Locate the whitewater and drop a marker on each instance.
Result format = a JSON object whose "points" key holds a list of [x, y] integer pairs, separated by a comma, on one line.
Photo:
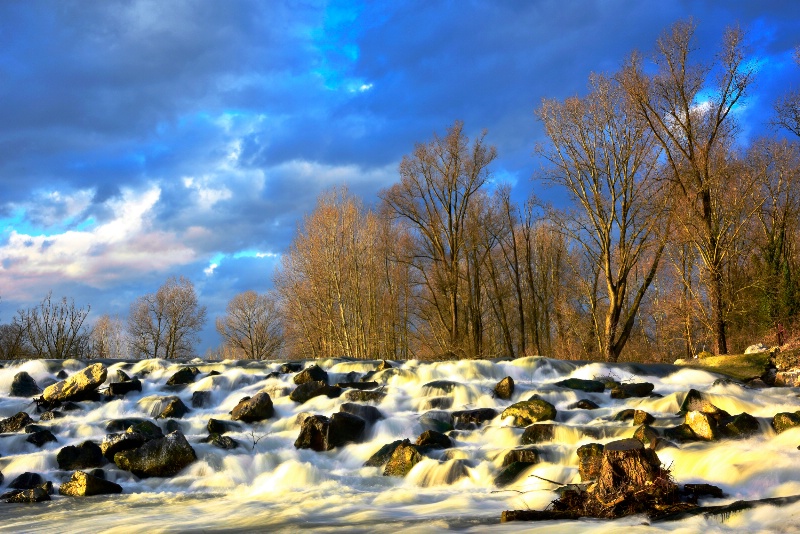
{"points": [[266, 484]]}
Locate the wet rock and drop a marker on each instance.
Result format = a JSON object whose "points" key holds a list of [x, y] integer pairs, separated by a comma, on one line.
{"points": [[740, 426], [588, 386], [527, 455], [201, 399], [175, 409], [505, 388], [538, 433], [437, 420], [641, 417], [121, 376], [162, 457], [125, 441], [311, 374], [439, 387], [781, 422], [30, 429], [680, 433], [27, 480], [626, 391], [215, 426], [434, 440], [693, 492], [120, 425], [357, 385], [370, 414], [309, 390], [23, 385], [647, 435], [62, 374], [148, 429], [384, 365], [187, 375], [510, 473], [38, 494], [123, 388], [321, 433], [173, 425], [438, 403], [469, 418], [85, 485], [256, 408], [384, 453], [15, 423], [625, 415], [41, 437], [402, 460], [590, 459], [290, 367], [50, 415], [80, 386], [696, 401], [584, 404], [530, 411], [84, 456], [364, 396], [222, 442]]}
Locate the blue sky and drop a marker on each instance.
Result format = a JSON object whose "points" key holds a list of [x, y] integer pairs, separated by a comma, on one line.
{"points": [[145, 138]]}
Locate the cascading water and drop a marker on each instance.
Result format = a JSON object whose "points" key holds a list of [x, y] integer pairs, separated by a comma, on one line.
{"points": [[268, 484]]}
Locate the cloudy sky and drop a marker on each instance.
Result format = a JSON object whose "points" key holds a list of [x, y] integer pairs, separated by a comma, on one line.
{"points": [[145, 138]]}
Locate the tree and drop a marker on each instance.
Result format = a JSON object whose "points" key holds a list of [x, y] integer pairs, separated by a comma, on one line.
{"points": [[439, 183], [607, 160], [252, 326], [54, 329], [165, 324], [788, 107], [107, 338], [688, 107]]}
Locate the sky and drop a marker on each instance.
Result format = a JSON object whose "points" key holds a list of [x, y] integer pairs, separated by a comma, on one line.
{"points": [[141, 139]]}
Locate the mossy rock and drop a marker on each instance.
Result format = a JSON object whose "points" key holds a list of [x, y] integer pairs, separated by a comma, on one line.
{"points": [[531, 411], [786, 420]]}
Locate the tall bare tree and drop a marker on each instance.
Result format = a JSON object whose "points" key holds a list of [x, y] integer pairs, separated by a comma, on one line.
{"points": [[252, 326], [788, 106], [54, 329], [107, 338], [688, 105], [165, 324]]}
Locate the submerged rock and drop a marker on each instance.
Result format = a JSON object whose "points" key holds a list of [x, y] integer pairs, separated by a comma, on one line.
{"points": [[222, 442], [370, 414], [357, 385], [215, 426], [437, 420], [23, 385], [530, 411], [86, 455], [438, 387], [510, 473], [628, 390], [201, 399], [384, 453], [15, 423], [38, 494], [505, 388], [588, 386], [584, 404], [468, 418], [257, 408], [321, 433], [80, 386], [402, 460], [85, 485], [161, 457]]}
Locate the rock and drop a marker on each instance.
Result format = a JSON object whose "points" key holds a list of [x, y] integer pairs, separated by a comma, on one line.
{"points": [[41, 437], [469, 418], [123, 388], [86, 455], [290, 367], [15, 423], [402, 460], [85, 485], [625, 415], [626, 464], [642, 418], [680, 433], [62, 374], [120, 425], [187, 375], [50, 415], [437, 420], [384, 365], [254, 409], [647, 435], [201, 399], [695, 491], [364, 396], [321, 433], [526, 455], [740, 426], [309, 390], [27, 480], [589, 386], [173, 425], [439, 387], [434, 440], [216, 426], [757, 348], [370, 414], [38, 494], [626, 391], [538, 433], [311, 374], [781, 422], [175, 409], [787, 379], [437, 403], [30, 429], [530, 411], [160, 457], [384, 453], [505, 388], [80, 386], [222, 442], [23, 385], [696, 401], [357, 385], [590, 459], [125, 441], [122, 376], [148, 429], [510, 473], [584, 404]]}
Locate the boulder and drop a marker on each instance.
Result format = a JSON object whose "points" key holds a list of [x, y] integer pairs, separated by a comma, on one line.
{"points": [[38, 494], [740, 426], [86, 455], [187, 375], [62, 374], [80, 386], [15, 423], [125, 441], [588, 386], [50, 415], [175, 409], [222, 442], [626, 391], [159, 457], [85, 485], [696, 401], [311, 374], [437, 403], [469, 418], [27, 480], [290, 367], [370, 414], [41, 437], [530, 411], [510, 473], [309, 390], [641, 417], [439, 387], [123, 388], [201, 399], [256, 408], [437, 420], [584, 404], [120, 425], [383, 366], [781, 422], [148, 429], [402, 460], [625, 415], [526, 455], [364, 396], [357, 385], [505, 388], [538, 433], [590, 458], [121, 376], [215, 426], [321, 433], [23, 385], [647, 435], [384, 453], [434, 440]]}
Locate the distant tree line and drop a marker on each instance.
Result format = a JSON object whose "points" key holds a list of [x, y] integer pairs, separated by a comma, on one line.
{"points": [[675, 238]]}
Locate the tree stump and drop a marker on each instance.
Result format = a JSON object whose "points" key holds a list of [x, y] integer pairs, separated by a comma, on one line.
{"points": [[626, 466]]}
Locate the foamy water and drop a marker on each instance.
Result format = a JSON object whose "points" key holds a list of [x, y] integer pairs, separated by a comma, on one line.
{"points": [[267, 484]]}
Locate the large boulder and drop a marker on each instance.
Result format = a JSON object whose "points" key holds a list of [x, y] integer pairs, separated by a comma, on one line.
{"points": [[697, 401], [530, 411], [526, 455], [187, 375], [703, 425], [125, 387], [312, 374], [740, 426], [309, 390], [364, 396], [628, 390], [402, 460], [470, 418], [80, 386], [538, 433], [784, 421], [370, 414], [39, 438], [322, 433], [589, 386], [162, 457], [256, 408], [15, 423], [384, 453], [24, 385], [434, 440], [175, 409], [86, 455], [124, 441], [505, 388], [85, 485], [37, 494]]}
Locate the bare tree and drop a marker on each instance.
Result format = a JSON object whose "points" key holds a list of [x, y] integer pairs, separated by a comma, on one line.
{"points": [[252, 326], [165, 324], [688, 106], [108, 339], [54, 329], [787, 108], [607, 160]]}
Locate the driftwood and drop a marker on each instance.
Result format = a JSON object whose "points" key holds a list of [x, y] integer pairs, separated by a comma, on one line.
{"points": [[725, 510]]}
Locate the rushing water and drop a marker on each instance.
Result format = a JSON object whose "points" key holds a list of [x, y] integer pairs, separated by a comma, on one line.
{"points": [[268, 485]]}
